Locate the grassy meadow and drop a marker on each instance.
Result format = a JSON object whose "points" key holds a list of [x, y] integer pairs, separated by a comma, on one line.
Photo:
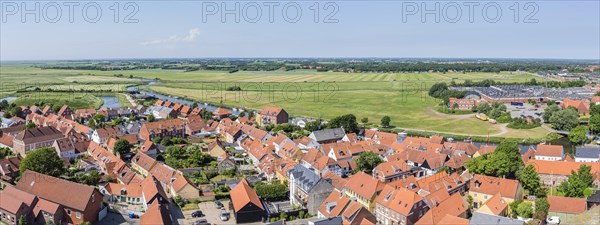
{"points": [[402, 96]]}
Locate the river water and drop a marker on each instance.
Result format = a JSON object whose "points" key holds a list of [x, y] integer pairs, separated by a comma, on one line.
{"points": [[176, 99]]}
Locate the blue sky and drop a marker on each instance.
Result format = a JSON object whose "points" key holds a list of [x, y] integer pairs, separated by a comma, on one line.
{"points": [[168, 29]]}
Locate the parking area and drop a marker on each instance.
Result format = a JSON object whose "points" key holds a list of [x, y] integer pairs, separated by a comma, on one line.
{"points": [[211, 214], [526, 110]]}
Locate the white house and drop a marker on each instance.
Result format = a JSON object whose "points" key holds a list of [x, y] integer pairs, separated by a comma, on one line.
{"points": [[587, 154], [549, 152]]}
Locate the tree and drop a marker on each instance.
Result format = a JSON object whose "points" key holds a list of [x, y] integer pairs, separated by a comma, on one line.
{"points": [[56, 108], [364, 120], [513, 208], [29, 126], [367, 161], [117, 121], [22, 220], [150, 118], [577, 183], [348, 122], [271, 192], [5, 152], [565, 119], [166, 141], [175, 152], [197, 159], [541, 208], [533, 81], [385, 121], [16, 111], [578, 135], [122, 147], [92, 178], [96, 121], [503, 162], [483, 108], [595, 123], [507, 159], [43, 160], [525, 209], [549, 111], [530, 179], [3, 104], [313, 125], [595, 109]]}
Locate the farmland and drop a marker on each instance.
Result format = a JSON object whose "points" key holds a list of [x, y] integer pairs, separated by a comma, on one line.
{"points": [[402, 96]]}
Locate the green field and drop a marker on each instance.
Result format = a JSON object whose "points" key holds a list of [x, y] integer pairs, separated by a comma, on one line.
{"points": [[402, 96], [74, 100]]}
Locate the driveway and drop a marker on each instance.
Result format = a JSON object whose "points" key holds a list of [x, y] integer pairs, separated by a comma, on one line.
{"points": [[211, 213]]}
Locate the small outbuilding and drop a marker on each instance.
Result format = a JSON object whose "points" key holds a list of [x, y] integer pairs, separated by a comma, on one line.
{"points": [[247, 206]]}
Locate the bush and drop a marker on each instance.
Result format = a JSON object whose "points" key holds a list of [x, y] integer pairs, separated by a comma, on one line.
{"points": [[271, 192], [234, 88]]}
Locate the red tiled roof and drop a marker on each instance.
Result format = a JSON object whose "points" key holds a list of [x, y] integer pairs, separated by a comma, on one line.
{"points": [[242, 194], [400, 200], [334, 205], [549, 150], [492, 185], [453, 206], [567, 205], [364, 185], [53, 189]]}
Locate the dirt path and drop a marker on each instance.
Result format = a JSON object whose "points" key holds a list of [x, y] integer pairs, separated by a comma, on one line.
{"points": [[130, 100]]}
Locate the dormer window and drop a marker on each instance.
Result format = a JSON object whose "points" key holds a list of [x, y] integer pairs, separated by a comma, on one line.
{"points": [[388, 197], [477, 184]]}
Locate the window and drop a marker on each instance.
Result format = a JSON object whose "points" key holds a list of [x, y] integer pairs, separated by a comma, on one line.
{"points": [[78, 215], [68, 211]]}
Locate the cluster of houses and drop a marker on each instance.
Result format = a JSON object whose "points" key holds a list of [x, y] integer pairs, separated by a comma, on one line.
{"points": [[422, 180], [144, 181]]}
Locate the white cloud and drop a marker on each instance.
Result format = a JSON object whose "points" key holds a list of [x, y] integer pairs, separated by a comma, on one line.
{"points": [[173, 39]]}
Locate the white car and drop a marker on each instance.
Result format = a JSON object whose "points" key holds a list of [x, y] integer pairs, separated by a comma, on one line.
{"points": [[553, 220], [224, 215]]}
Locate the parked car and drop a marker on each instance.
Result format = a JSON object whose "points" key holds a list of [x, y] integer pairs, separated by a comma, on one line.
{"points": [[201, 222], [224, 215], [197, 214], [218, 204], [553, 220]]}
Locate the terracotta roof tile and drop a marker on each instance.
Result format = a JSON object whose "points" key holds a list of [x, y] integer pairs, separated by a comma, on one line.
{"points": [[567, 205], [242, 194]]}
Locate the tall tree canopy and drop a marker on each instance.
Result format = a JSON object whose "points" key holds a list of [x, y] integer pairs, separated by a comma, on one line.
{"points": [[122, 147], [530, 180], [565, 119], [385, 121], [578, 182], [348, 122], [577, 135], [503, 162], [367, 161], [43, 160]]}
